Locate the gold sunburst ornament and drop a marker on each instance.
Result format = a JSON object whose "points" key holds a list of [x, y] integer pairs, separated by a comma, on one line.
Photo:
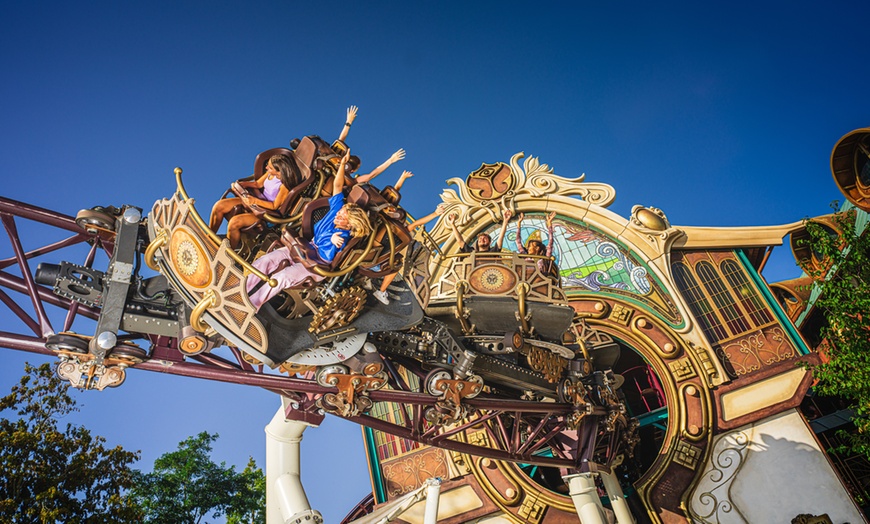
{"points": [[189, 259], [492, 279]]}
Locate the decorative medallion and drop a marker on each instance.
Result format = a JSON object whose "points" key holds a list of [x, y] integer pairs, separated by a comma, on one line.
{"points": [[189, 259], [492, 279], [490, 182]]}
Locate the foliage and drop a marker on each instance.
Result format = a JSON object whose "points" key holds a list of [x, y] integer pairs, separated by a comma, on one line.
{"points": [[49, 474], [186, 485], [249, 503], [842, 272]]}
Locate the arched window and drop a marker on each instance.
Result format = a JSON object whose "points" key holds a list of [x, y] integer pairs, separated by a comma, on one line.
{"points": [[698, 303], [722, 298], [748, 296]]}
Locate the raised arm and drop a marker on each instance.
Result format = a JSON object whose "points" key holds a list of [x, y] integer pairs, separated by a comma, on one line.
{"points": [[338, 184], [395, 157], [351, 116], [506, 216], [550, 218], [451, 221], [401, 182], [425, 220], [519, 239]]}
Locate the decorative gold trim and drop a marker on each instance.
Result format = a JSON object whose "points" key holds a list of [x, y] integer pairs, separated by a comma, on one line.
{"points": [[523, 317], [209, 300], [692, 390], [159, 241]]}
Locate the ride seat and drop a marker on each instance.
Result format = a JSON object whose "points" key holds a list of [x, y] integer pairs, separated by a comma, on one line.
{"points": [[368, 198], [302, 184]]}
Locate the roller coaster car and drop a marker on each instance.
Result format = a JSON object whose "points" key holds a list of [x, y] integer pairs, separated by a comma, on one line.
{"points": [[494, 293], [211, 277]]}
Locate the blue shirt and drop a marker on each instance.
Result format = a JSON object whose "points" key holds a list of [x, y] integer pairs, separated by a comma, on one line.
{"points": [[325, 228]]}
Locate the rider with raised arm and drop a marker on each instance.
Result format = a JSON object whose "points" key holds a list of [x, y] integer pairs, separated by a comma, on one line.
{"points": [[536, 246], [483, 242], [381, 294], [331, 232]]}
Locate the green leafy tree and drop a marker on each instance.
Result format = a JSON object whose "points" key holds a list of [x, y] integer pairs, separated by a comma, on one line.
{"points": [[842, 274], [50, 474], [186, 486], [249, 503]]}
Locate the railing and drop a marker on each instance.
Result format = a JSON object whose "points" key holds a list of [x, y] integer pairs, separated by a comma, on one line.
{"points": [[509, 274]]}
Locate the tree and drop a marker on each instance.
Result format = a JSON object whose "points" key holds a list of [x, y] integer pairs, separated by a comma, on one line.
{"points": [[842, 274], [249, 503], [186, 485], [51, 475]]}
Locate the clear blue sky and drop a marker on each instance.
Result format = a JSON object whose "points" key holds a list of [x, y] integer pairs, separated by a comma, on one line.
{"points": [[720, 114]]}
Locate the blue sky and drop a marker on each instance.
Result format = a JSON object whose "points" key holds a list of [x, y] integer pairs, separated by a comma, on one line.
{"points": [[721, 114]]}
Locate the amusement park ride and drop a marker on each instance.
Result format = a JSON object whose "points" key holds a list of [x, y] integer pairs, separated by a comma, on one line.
{"points": [[490, 354]]}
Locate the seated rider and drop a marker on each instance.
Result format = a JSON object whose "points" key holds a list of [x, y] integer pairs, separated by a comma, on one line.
{"points": [[483, 242], [535, 246], [330, 234], [275, 187]]}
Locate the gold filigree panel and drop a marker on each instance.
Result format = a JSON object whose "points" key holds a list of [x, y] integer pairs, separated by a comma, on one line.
{"points": [[409, 472], [755, 351], [194, 265]]}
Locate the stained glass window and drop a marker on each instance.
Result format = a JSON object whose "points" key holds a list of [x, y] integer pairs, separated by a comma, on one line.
{"points": [[585, 258]]}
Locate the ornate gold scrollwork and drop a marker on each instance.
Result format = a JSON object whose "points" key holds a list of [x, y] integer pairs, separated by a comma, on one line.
{"points": [[549, 364], [209, 300], [151, 252]]}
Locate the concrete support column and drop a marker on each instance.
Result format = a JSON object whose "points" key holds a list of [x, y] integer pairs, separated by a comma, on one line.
{"points": [[286, 502], [617, 498], [584, 494]]}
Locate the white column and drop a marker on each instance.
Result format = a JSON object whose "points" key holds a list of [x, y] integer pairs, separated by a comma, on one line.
{"points": [[433, 493], [286, 501], [584, 494], [617, 499]]}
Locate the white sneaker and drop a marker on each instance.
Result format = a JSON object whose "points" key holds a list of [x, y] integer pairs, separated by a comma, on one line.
{"points": [[382, 297]]}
